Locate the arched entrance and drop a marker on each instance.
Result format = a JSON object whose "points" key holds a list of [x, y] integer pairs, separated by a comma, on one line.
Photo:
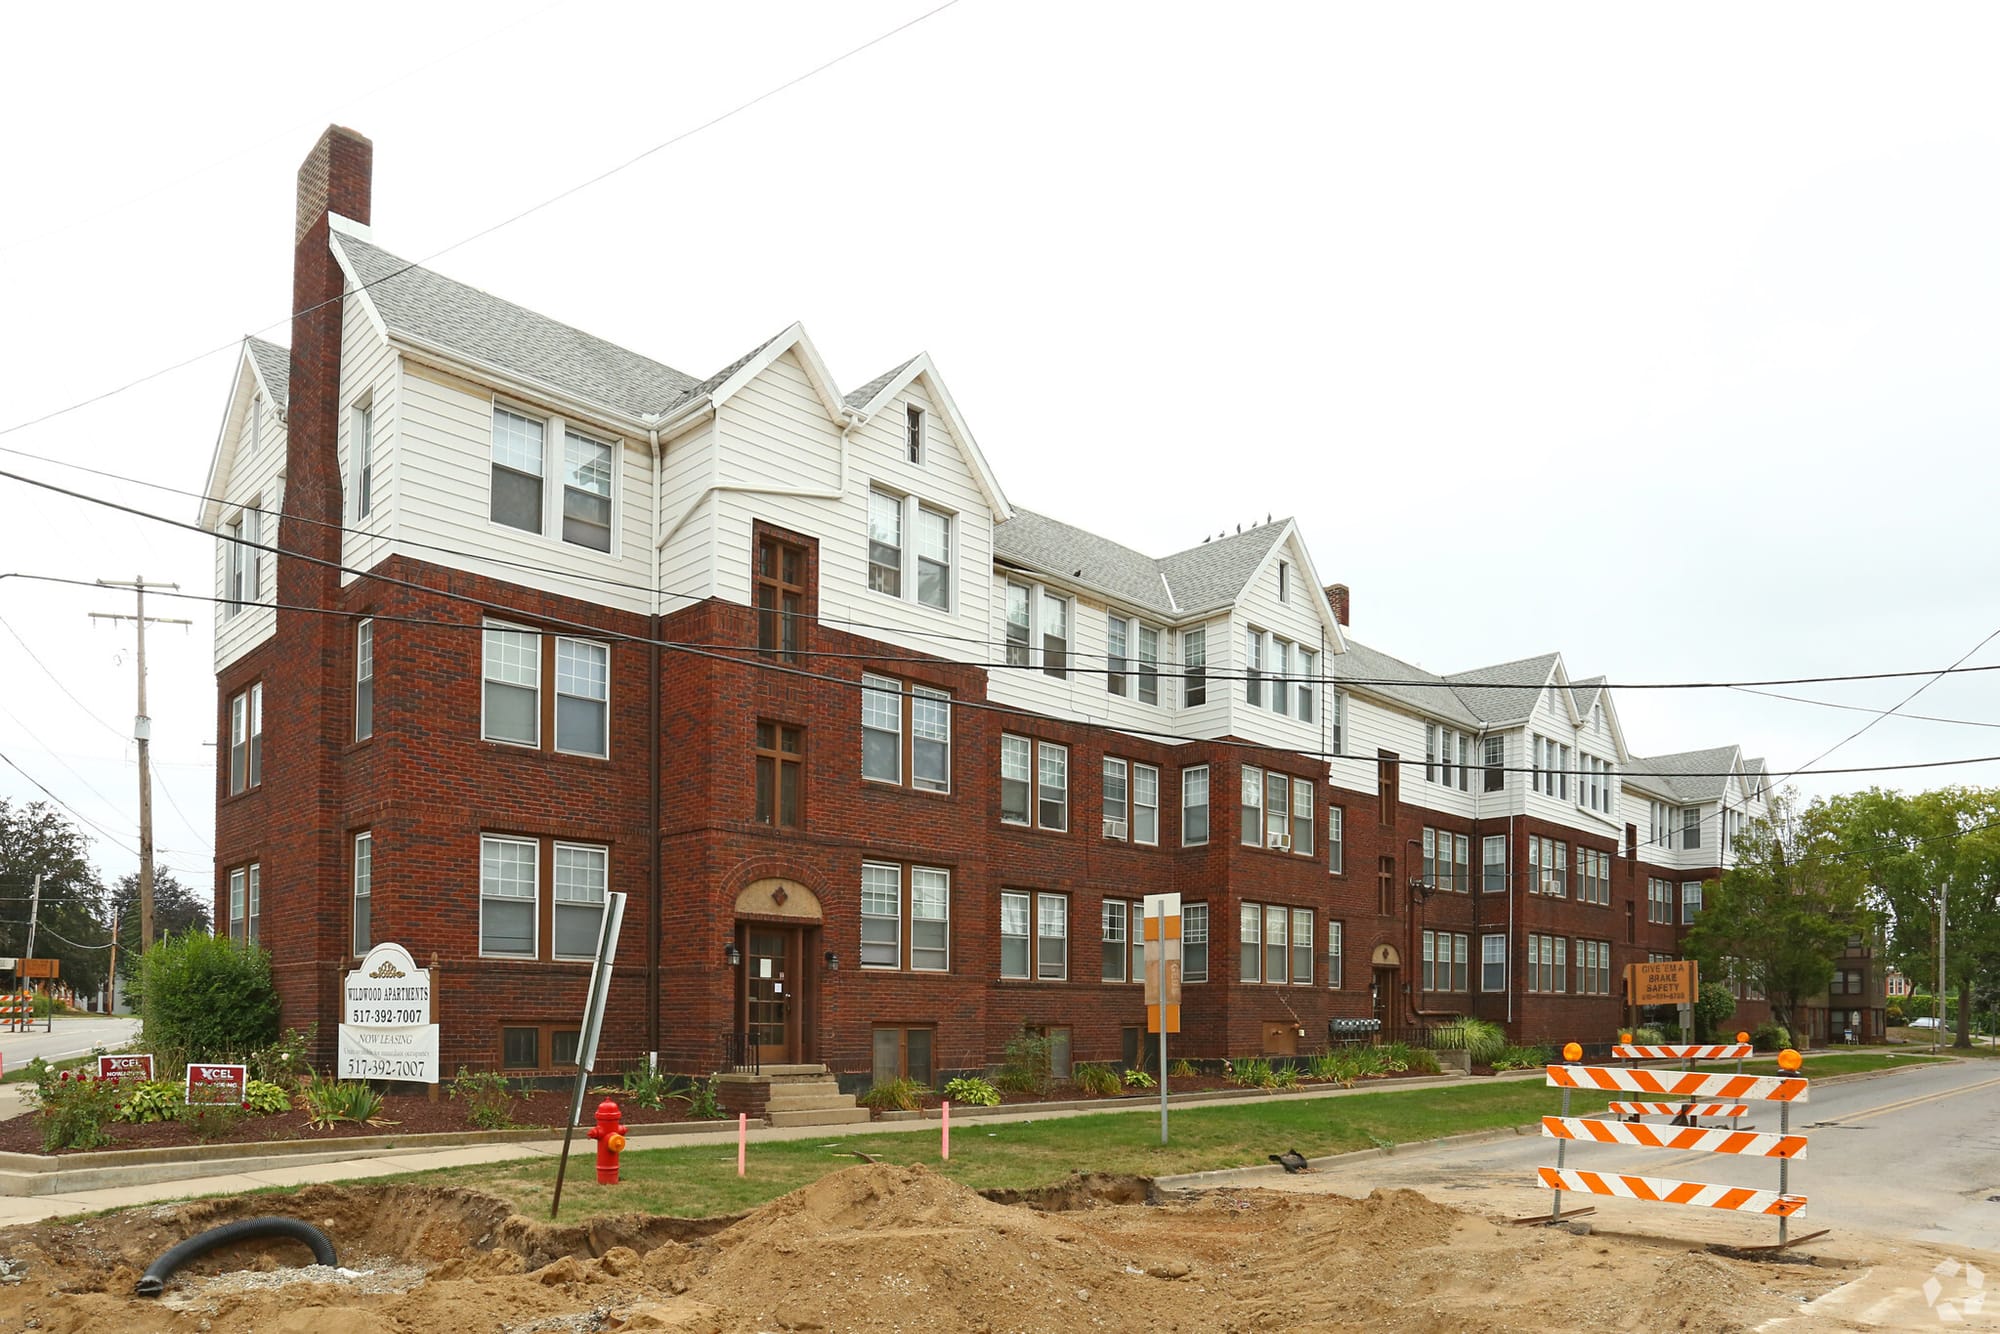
{"points": [[1384, 988], [778, 933]]}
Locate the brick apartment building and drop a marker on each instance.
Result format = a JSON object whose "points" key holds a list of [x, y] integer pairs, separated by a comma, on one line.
{"points": [[883, 761]]}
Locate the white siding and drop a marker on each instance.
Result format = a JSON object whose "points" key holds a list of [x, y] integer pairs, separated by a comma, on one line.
{"points": [[689, 513], [254, 479], [369, 372]]}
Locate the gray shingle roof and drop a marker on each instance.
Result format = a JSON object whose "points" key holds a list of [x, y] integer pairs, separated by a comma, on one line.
{"points": [[1585, 693], [1037, 542], [454, 317], [1507, 690], [1199, 579], [1213, 574], [715, 381], [274, 364], [859, 397], [1688, 775], [1409, 684]]}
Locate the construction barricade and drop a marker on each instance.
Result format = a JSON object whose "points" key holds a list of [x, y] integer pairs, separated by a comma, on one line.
{"points": [[17, 1010], [1681, 1093]]}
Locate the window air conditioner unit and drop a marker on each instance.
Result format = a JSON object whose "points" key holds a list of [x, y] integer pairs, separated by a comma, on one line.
{"points": [[1114, 828], [1282, 842]]}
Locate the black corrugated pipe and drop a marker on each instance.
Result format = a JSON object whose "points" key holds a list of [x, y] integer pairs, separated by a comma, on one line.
{"points": [[248, 1229]]}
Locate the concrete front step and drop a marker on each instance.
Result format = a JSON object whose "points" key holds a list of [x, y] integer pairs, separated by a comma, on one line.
{"points": [[788, 1072], [831, 1116], [784, 1100]]}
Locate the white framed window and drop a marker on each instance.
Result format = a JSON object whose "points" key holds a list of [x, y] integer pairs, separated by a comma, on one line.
{"points": [[913, 433], [1020, 624], [364, 892], [888, 713], [1194, 806], [1275, 942], [1194, 942], [1016, 951], [246, 902], [582, 875], [1493, 963], [1447, 752], [361, 442], [933, 558], [885, 542], [1117, 945], [509, 896], [1277, 811], [519, 442], [1148, 650], [1337, 731], [1250, 813], [238, 878], [586, 517], [1194, 667], [1302, 947], [930, 739], [1054, 617], [1335, 960], [1307, 683], [1250, 942], [1115, 661], [881, 729], [930, 919], [1284, 581], [512, 710], [1253, 667], [246, 739], [1051, 786], [1493, 759], [1336, 817], [583, 697], [1052, 937], [1281, 665], [1034, 783], [1117, 799], [881, 915], [1145, 805], [364, 679], [1690, 901], [1493, 864], [1690, 827]]}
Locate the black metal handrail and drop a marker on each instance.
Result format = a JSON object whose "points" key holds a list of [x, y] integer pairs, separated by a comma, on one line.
{"points": [[739, 1054]]}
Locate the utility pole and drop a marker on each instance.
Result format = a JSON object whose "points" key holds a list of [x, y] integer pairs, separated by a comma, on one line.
{"points": [[1937, 1034], [34, 912], [142, 732]]}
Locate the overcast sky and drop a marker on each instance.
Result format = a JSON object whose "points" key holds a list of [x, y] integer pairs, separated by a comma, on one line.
{"points": [[1665, 338]]}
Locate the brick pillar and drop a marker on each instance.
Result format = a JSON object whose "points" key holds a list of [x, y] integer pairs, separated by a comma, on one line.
{"points": [[1337, 595]]}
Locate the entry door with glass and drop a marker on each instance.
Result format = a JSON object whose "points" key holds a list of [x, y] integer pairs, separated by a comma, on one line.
{"points": [[768, 993]]}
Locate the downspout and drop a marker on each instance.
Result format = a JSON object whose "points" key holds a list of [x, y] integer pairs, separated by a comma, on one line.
{"points": [[655, 897], [1511, 951]]}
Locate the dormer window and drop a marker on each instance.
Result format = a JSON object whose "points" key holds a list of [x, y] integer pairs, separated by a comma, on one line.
{"points": [[913, 433]]}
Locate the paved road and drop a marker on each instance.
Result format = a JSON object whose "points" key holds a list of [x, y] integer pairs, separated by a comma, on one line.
{"points": [[1914, 1156], [73, 1035]]}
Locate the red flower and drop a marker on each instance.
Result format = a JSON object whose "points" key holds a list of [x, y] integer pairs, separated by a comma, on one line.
{"points": [[246, 1104], [65, 1076]]}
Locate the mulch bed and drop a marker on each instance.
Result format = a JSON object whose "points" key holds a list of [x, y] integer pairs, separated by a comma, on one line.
{"points": [[413, 1114]]}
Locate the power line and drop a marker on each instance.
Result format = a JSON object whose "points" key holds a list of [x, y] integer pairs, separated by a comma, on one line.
{"points": [[1905, 700], [532, 209], [1862, 708], [59, 682], [8, 761]]}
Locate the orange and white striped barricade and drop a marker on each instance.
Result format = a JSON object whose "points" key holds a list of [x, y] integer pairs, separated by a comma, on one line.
{"points": [[1687, 1085], [16, 1010], [1690, 1051]]}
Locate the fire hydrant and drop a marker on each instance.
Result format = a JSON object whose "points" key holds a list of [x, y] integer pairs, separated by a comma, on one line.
{"points": [[609, 1132]]}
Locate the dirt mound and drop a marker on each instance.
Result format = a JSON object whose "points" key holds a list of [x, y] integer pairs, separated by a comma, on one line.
{"points": [[881, 1247]]}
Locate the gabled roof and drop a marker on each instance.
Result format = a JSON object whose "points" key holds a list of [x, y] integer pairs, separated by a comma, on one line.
{"points": [[274, 369], [1506, 692], [721, 377], [861, 397], [1585, 693], [1049, 546], [430, 309], [1689, 776], [1213, 574], [1409, 684]]}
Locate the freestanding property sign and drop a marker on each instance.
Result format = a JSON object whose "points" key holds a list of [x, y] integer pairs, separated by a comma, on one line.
{"points": [[386, 1030], [1163, 980]]}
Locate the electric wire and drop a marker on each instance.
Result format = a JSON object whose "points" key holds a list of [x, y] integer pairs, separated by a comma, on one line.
{"points": [[46, 671], [79, 815]]}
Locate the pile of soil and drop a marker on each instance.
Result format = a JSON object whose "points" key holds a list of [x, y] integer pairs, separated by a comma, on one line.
{"points": [[878, 1248], [401, 1114]]}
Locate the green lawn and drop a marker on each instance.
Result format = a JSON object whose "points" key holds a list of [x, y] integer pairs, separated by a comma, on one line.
{"points": [[702, 1181]]}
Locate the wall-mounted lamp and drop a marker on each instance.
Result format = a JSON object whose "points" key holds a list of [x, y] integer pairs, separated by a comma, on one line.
{"points": [[732, 956], [832, 962]]}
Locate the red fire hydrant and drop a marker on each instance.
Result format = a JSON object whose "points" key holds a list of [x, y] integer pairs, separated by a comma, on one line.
{"points": [[609, 1132]]}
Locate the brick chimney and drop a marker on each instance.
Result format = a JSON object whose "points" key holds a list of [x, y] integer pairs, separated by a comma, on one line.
{"points": [[1337, 595]]}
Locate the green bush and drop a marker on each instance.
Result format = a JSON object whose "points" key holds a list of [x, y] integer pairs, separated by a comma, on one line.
{"points": [[142, 1104], [646, 1086], [1028, 1064], [702, 1096], [261, 1097], [1398, 1057], [1284, 1077], [488, 1097], [895, 1095], [971, 1091], [1099, 1081], [1648, 1037], [1136, 1078], [207, 997], [1770, 1037], [1182, 1069], [1523, 1058], [1713, 1006], [1252, 1072], [284, 1062], [75, 1107], [330, 1101], [1482, 1039]]}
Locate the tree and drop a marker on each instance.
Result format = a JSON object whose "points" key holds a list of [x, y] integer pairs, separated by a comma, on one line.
{"points": [[1782, 915], [37, 839], [1918, 849], [176, 909]]}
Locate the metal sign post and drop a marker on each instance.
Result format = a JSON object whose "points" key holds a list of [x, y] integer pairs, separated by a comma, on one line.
{"points": [[1162, 927], [593, 1023]]}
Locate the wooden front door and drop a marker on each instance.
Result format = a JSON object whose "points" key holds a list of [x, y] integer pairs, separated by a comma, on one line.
{"points": [[771, 1004], [1385, 997]]}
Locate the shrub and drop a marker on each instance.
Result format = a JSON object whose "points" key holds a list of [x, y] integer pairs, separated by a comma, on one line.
{"points": [[1029, 1064], [1482, 1039], [1770, 1037], [75, 1107], [971, 1091], [702, 1096], [1183, 1069], [488, 1098], [330, 1100], [208, 1121], [284, 1062], [1099, 1081], [1713, 1006], [1136, 1078], [1398, 1057], [261, 1097], [207, 997], [1284, 1077], [895, 1095], [1522, 1058], [144, 1104], [1252, 1072], [1648, 1036], [646, 1086]]}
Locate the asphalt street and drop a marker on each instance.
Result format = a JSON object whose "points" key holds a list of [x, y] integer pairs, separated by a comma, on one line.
{"points": [[73, 1035], [1914, 1156]]}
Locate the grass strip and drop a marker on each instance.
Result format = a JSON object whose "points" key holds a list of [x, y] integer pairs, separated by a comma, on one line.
{"points": [[700, 1180]]}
